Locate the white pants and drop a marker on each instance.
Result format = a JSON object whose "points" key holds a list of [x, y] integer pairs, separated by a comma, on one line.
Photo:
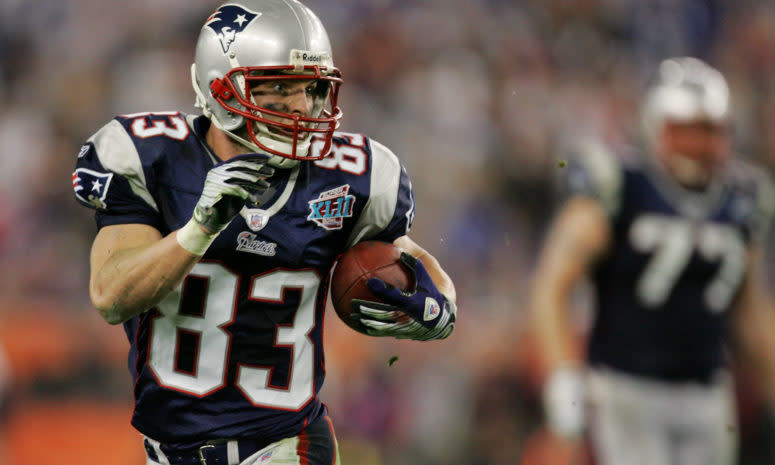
{"points": [[638, 421]]}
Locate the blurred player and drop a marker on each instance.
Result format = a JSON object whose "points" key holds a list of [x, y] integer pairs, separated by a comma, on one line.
{"points": [[672, 241], [217, 233]]}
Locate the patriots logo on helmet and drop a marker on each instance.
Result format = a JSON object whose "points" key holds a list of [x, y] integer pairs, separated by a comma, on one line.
{"points": [[228, 21], [91, 187]]}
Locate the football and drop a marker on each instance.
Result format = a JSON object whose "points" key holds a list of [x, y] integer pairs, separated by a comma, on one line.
{"points": [[365, 260]]}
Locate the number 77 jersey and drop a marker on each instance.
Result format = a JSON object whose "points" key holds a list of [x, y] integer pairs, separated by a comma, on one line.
{"points": [[236, 350], [676, 263]]}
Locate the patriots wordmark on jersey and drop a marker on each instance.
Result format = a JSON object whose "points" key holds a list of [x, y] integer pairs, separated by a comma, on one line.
{"points": [[236, 350], [666, 287]]}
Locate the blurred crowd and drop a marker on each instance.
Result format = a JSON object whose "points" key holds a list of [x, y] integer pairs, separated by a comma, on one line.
{"points": [[479, 99]]}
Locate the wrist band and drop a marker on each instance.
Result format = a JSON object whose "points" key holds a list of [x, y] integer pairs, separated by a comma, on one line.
{"points": [[193, 239], [563, 398]]}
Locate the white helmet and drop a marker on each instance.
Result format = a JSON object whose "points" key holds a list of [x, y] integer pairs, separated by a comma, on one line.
{"points": [[245, 42], [686, 89], [687, 92]]}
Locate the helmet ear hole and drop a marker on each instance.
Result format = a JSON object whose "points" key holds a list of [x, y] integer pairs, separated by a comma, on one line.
{"points": [[219, 90]]}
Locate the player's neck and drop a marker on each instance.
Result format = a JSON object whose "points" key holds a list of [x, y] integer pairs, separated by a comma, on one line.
{"points": [[222, 145]]}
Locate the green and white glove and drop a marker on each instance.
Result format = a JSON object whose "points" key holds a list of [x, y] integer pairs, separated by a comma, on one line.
{"points": [[227, 186]]}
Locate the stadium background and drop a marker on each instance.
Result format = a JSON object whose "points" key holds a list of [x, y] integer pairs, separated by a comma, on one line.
{"points": [[480, 99]]}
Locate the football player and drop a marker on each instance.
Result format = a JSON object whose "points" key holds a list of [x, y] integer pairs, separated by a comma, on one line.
{"points": [[671, 239], [217, 233]]}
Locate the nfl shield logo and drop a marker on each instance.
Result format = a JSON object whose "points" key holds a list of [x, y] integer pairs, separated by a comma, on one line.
{"points": [[256, 220], [432, 309]]}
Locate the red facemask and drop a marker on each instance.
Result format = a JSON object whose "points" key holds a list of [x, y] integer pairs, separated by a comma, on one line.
{"points": [[294, 128]]}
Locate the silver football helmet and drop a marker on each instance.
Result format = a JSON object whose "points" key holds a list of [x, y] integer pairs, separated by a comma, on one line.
{"points": [[246, 42], [687, 89], [686, 116]]}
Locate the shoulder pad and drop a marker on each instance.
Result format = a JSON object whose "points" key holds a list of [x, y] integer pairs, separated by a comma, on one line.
{"points": [[389, 211], [118, 154], [595, 171]]}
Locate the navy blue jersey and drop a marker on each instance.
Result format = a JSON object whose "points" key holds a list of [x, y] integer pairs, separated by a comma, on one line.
{"points": [[666, 286], [236, 351]]}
